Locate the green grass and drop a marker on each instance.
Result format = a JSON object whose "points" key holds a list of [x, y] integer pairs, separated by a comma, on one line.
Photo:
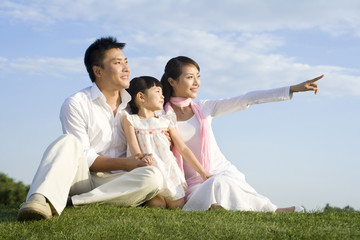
{"points": [[110, 222]]}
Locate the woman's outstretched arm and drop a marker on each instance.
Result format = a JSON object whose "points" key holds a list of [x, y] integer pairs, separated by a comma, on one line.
{"points": [[242, 102]]}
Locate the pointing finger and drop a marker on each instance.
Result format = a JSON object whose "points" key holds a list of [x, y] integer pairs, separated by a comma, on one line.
{"points": [[317, 78]]}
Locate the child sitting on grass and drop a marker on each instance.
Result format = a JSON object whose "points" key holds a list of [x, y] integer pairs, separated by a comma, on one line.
{"points": [[145, 133]]}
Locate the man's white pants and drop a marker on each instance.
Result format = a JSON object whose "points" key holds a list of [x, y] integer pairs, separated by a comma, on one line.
{"points": [[64, 172]]}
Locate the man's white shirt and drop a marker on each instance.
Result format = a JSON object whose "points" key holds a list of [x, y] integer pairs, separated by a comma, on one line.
{"points": [[87, 116]]}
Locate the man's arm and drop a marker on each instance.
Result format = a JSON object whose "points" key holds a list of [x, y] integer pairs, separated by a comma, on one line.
{"points": [[73, 121], [105, 164]]}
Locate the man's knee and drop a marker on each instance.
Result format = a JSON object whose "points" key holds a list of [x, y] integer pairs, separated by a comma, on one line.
{"points": [[69, 143], [64, 140], [153, 177]]}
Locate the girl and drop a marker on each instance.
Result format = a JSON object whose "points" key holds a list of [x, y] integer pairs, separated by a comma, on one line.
{"points": [[144, 133], [227, 187]]}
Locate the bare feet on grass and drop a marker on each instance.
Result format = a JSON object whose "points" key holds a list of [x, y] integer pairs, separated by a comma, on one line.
{"points": [[215, 207], [297, 209], [289, 209]]}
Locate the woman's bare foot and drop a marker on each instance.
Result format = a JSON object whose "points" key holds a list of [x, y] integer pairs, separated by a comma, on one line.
{"points": [[289, 209], [215, 207]]}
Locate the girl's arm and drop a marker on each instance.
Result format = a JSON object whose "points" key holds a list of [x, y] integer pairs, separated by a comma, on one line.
{"points": [[131, 137], [133, 142], [187, 154]]}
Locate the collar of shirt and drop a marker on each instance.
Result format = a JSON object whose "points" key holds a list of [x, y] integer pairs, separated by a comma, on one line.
{"points": [[125, 96]]}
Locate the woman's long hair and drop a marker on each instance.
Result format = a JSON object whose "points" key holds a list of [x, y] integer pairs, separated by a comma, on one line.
{"points": [[173, 69]]}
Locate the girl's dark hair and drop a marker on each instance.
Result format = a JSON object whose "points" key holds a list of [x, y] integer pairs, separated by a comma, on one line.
{"points": [[94, 55], [173, 69], [140, 84]]}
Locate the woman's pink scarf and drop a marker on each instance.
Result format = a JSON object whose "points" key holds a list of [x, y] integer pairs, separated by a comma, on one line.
{"points": [[204, 126]]}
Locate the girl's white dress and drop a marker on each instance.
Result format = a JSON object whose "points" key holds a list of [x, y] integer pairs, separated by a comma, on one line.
{"points": [[151, 139], [227, 187]]}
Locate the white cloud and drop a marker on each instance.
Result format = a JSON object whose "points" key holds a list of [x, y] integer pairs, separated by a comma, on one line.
{"points": [[25, 12], [235, 42], [3, 60], [341, 81], [234, 65], [43, 66], [216, 16], [230, 64]]}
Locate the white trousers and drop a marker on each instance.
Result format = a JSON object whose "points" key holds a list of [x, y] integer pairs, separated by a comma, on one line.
{"points": [[64, 172]]}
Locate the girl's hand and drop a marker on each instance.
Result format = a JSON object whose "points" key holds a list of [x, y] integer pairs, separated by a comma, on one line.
{"points": [[309, 85], [147, 159], [205, 175], [139, 160]]}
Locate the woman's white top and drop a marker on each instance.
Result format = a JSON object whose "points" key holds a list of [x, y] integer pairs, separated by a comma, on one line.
{"points": [[227, 187]]}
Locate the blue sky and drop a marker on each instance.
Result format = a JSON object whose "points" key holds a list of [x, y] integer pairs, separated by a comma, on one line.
{"points": [[303, 151]]}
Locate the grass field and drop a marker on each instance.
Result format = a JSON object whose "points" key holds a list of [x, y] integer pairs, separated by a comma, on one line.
{"points": [[109, 222]]}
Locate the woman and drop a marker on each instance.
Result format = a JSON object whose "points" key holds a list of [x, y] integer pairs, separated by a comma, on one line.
{"points": [[227, 187]]}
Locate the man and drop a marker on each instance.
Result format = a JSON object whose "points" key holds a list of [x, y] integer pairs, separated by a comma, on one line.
{"points": [[84, 163]]}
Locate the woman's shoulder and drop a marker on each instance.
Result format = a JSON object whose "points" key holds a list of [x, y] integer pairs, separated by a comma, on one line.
{"points": [[207, 104], [212, 107]]}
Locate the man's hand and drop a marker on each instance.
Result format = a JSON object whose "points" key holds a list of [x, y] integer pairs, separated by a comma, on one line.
{"points": [[167, 134]]}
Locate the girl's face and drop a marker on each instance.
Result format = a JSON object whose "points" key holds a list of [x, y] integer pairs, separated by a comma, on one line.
{"points": [[187, 84], [153, 99]]}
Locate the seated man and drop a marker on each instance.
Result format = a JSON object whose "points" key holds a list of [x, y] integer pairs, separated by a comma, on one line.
{"points": [[84, 163]]}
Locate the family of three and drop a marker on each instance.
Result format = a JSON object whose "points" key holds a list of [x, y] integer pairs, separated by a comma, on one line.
{"points": [[144, 142]]}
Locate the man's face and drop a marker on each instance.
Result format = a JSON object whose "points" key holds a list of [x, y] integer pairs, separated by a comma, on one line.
{"points": [[115, 72]]}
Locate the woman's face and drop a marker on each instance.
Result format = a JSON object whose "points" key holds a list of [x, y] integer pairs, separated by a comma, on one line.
{"points": [[187, 84]]}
